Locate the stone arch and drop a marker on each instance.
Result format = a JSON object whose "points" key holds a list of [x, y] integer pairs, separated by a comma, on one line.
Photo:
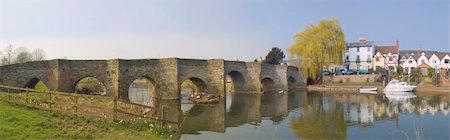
{"points": [[194, 85], [36, 83], [267, 83], [89, 85], [142, 91], [235, 82]]}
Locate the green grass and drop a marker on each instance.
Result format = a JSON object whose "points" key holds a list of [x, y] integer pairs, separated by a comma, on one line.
{"points": [[22, 123], [41, 86]]}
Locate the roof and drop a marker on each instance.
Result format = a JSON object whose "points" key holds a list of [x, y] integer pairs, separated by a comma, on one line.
{"points": [[360, 44], [424, 65], [441, 55], [417, 53], [387, 49]]}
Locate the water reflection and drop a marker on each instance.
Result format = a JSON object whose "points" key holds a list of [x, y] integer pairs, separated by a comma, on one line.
{"points": [[303, 115]]}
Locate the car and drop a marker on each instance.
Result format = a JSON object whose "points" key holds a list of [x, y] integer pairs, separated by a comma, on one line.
{"points": [[326, 72], [349, 72], [361, 71]]}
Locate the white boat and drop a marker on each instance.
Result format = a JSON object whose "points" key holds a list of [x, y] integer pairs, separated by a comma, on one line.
{"points": [[397, 86], [368, 89], [368, 92]]}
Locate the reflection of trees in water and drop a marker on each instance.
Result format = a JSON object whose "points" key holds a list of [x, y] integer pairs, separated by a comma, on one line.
{"points": [[315, 122]]}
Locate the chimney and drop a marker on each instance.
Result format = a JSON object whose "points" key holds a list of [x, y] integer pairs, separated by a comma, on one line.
{"points": [[398, 43], [362, 39]]}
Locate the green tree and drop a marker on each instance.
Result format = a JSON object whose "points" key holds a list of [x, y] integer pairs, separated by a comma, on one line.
{"points": [[275, 56], [399, 70], [430, 72], [319, 45]]}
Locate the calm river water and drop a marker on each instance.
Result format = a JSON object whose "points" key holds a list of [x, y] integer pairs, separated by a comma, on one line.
{"points": [[309, 115]]}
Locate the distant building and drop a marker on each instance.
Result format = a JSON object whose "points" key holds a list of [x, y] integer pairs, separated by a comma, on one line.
{"points": [[358, 55], [386, 57], [424, 59]]}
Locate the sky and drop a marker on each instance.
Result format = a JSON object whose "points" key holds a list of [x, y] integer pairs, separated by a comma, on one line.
{"points": [[207, 29]]}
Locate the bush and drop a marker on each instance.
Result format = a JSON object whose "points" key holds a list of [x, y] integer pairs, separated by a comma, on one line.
{"points": [[341, 81], [368, 80], [347, 80]]}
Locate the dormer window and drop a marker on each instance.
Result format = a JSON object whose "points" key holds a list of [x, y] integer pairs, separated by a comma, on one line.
{"points": [[410, 61]]}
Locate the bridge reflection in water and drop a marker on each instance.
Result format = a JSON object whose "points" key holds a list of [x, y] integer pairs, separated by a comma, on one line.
{"points": [[303, 115]]}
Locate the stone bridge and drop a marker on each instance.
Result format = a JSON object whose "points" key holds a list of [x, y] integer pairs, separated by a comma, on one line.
{"points": [[165, 74]]}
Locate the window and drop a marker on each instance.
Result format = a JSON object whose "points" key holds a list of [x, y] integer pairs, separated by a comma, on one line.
{"points": [[357, 57], [446, 61], [377, 59], [368, 49], [357, 49], [390, 59], [410, 61], [346, 57], [434, 61], [423, 61]]}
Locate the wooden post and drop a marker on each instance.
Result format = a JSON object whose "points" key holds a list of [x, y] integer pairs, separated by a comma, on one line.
{"points": [[114, 109], [76, 105], [50, 101]]}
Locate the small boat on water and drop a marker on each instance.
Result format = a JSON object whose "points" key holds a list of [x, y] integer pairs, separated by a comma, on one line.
{"points": [[368, 89], [397, 86], [368, 92]]}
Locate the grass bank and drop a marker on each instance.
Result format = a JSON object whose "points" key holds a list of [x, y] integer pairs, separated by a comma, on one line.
{"points": [[22, 123]]}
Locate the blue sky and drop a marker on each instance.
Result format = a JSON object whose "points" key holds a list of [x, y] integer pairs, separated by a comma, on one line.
{"points": [[230, 29]]}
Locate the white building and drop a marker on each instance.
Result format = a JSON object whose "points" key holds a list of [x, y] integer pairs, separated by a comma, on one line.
{"points": [[408, 60], [445, 61], [358, 55], [390, 56]]}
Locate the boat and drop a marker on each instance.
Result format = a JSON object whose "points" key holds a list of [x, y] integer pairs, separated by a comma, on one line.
{"points": [[397, 86], [368, 89], [368, 92]]}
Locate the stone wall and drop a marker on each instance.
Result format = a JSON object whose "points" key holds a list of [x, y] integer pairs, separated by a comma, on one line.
{"points": [[352, 78]]}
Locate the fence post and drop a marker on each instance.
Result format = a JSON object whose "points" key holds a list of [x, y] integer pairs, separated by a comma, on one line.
{"points": [[28, 99], [50, 101], [114, 109], [76, 105]]}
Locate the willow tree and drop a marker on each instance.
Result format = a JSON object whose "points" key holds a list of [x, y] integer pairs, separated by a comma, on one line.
{"points": [[319, 45]]}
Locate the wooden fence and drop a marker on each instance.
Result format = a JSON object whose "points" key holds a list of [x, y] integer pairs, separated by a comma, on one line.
{"points": [[97, 106]]}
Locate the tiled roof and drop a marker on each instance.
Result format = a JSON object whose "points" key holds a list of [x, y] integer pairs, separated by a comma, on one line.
{"points": [[418, 53], [360, 44], [387, 49]]}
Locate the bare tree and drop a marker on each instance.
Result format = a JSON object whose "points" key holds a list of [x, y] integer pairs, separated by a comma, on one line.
{"points": [[23, 55], [8, 57], [38, 54]]}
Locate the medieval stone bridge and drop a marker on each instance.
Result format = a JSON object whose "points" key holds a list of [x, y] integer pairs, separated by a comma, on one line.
{"points": [[165, 74]]}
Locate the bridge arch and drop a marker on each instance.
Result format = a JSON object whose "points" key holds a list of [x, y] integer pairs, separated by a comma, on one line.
{"points": [[234, 82], [89, 85], [267, 83], [191, 87], [142, 91], [36, 83]]}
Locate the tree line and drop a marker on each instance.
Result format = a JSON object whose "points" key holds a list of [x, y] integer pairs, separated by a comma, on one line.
{"points": [[13, 55]]}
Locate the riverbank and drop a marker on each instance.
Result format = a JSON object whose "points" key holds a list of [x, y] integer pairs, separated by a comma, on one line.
{"points": [[354, 87], [22, 123]]}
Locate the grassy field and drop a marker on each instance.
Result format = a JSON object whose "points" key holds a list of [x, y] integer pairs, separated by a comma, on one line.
{"points": [[22, 123]]}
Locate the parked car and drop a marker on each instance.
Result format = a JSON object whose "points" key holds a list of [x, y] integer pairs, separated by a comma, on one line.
{"points": [[349, 72], [326, 72], [361, 71]]}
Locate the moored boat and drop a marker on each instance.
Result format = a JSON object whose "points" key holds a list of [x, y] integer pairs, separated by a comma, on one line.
{"points": [[397, 86], [368, 89]]}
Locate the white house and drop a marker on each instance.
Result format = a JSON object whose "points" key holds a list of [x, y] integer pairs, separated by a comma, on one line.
{"points": [[358, 55], [434, 61], [445, 61], [422, 59]]}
